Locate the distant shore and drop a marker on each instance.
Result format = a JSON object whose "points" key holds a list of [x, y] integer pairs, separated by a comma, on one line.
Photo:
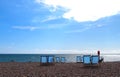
{"points": [[33, 69]]}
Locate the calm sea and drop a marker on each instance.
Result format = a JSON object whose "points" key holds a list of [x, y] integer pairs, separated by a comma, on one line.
{"points": [[36, 57]]}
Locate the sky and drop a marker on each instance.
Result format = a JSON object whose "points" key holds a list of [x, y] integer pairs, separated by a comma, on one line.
{"points": [[59, 26]]}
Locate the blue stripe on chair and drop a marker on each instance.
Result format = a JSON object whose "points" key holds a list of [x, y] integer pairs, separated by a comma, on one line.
{"points": [[87, 59], [94, 59]]}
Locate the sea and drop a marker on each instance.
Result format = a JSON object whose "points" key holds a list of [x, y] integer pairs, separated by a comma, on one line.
{"points": [[36, 57]]}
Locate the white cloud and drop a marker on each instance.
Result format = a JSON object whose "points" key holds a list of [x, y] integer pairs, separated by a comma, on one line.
{"points": [[49, 18], [100, 25], [71, 51], [85, 10], [78, 30], [32, 28], [56, 51], [26, 27]]}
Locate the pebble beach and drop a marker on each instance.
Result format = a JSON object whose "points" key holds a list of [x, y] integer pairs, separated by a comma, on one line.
{"points": [[34, 69]]}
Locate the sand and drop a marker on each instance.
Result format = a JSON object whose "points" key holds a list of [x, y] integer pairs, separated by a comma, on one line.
{"points": [[32, 69]]}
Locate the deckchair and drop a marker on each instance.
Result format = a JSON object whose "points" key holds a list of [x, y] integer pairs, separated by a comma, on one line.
{"points": [[78, 59], [86, 59], [94, 59], [47, 60]]}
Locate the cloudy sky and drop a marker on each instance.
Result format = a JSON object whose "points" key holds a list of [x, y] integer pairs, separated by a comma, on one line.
{"points": [[59, 26]]}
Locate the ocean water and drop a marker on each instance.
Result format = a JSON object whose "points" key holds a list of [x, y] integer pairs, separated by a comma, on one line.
{"points": [[36, 57]]}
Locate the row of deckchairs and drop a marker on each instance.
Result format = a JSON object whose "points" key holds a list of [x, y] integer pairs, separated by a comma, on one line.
{"points": [[50, 59], [86, 59]]}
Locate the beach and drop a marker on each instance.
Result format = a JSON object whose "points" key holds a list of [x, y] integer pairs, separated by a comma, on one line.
{"points": [[34, 69]]}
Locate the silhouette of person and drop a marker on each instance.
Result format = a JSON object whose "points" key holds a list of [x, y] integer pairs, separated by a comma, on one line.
{"points": [[98, 53]]}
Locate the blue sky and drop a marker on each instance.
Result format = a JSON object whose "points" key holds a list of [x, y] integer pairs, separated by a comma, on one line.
{"points": [[44, 26]]}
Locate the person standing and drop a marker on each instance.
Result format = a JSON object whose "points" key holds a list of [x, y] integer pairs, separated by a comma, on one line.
{"points": [[98, 53]]}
